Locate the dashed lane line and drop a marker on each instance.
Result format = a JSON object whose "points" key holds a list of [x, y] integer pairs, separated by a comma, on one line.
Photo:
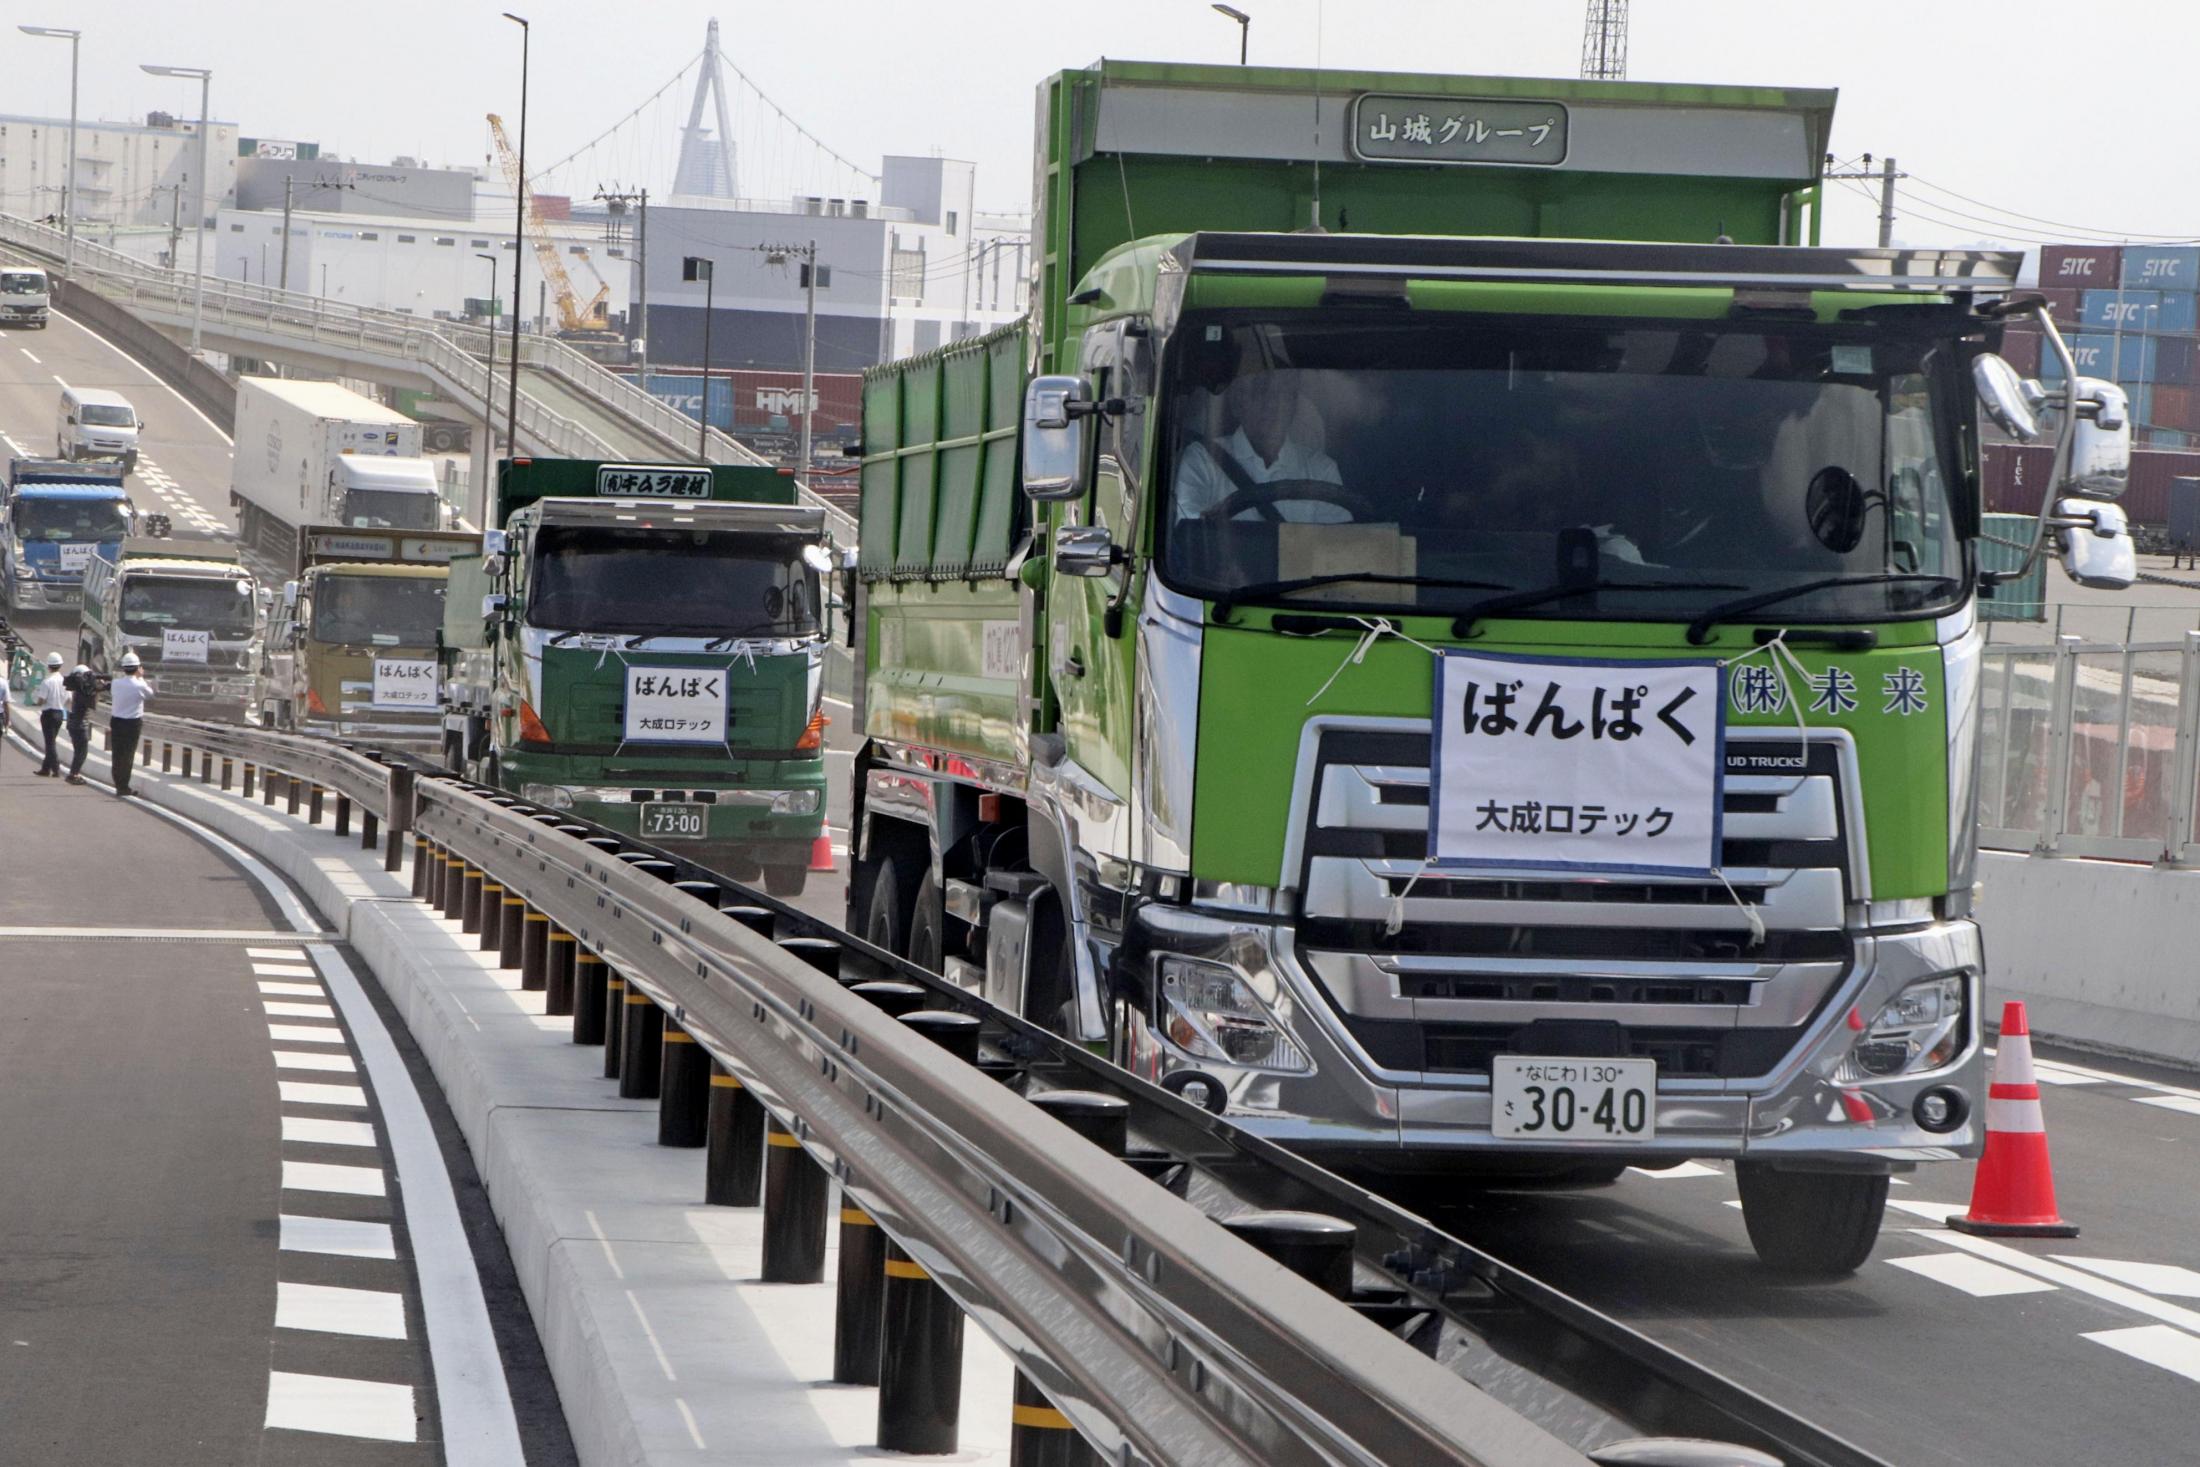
{"points": [[32, 355], [1974, 1276], [2156, 1344]]}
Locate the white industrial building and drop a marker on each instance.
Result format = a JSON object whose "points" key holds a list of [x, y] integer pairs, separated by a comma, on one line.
{"points": [[125, 172]]}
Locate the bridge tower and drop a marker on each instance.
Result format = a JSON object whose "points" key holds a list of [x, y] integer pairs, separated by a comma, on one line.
{"points": [[706, 161]]}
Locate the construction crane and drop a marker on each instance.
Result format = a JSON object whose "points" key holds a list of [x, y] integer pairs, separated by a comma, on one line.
{"points": [[574, 319], [1604, 40]]}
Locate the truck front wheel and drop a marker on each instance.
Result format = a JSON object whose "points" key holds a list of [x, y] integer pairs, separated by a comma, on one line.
{"points": [[893, 891], [1821, 1223]]}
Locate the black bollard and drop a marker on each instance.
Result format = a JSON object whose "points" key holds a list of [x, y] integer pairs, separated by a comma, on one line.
{"points": [[534, 950], [478, 913], [641, 1066], [343, 805], [267, 786], [249, 778], [369, 829], [420, 866], [614, 1023], [859, 1304], [167, 752], [891, 997], [955, 1033], [733, 1164], [1039, 1435], [683, 1089], [821, 953], [557, 971], [920, 1361], [761, 920], [1313, 1245], [313, 806], [589, 977], [796, 1190], [512, 932], [454, 885], [226, 773]]}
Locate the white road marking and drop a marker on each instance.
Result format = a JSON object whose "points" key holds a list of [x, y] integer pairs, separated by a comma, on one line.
{"points": [[305, 1034], [173, 391], [2162, 1279], [296, 990], [338, 1236], [32, 355], [2182, 1103], [1936, 1211], [298, 1092], [2047, 1072], [59, 378], [333, 1406], [1676, 1173], [1974, 1276], [2071, 1278], [2156, 1344], [304, 1059], [2112, 1078], [300, 1010], [312, 1132], [322, 1176], [205, 934], [336, 1311]]}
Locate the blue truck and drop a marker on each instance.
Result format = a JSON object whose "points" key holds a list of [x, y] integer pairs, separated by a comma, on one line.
{"points": [[55, 517]]}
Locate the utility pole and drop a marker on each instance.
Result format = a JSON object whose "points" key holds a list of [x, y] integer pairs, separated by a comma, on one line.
{"points": [[807, 254], [175, 216], [692, 269], [618, 201], [290, 182], [1886, 176], [68, 198]]}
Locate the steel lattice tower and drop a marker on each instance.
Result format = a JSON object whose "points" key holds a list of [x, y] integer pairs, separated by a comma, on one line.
{"points": [[1604, 40], [706, 162]]}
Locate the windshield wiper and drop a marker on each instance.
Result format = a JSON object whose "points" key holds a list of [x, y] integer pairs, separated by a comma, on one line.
{"points": [[1264, 590], [1699, 630], [721, 641], [1537, 596]]}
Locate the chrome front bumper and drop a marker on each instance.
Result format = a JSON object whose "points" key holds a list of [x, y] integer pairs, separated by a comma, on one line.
{"points": [[1796, 1113]]}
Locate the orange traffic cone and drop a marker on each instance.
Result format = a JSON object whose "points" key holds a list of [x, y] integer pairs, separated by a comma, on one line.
{"points": [[2013, 1195], [821, 852]]}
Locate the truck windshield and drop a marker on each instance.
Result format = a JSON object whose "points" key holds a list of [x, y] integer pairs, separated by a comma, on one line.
{"points": [[378, 611], [22, 282], [107, 415], [71, 519], [671, 583], [385, 509], [151, 604], [1703, 461]]}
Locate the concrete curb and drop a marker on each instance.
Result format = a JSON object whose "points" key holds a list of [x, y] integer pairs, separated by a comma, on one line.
{"points": [[663, 1345]]}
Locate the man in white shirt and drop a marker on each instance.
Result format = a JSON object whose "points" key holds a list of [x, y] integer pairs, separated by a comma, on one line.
{"points": [[126, 717], [1278, 437], [53, 711]]}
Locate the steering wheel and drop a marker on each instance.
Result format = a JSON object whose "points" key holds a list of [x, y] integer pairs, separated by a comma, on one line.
{"points": [[1264, 497]]}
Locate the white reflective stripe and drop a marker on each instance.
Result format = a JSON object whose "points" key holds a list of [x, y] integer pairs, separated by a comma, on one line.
{"points": [[2013, 1066], [2014, 1116]]}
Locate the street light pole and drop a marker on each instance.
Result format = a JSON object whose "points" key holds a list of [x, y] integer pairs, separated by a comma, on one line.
{"points": [[519, 235], [1245, 27], [489, 390], [68, 207], [205, 79], [693, 268]]}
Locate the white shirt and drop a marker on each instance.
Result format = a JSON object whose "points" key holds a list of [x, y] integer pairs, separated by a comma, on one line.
{"points": [[1201, 482], [128, 695], [52, 697]]}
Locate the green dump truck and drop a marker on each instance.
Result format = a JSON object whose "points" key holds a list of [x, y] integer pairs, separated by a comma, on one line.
{"points": [[352, 645], [1454, 640], [642, 644]]}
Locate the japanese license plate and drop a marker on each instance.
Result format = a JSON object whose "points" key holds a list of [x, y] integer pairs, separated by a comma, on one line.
{"points": [[1533, 1098], [673, 820]]}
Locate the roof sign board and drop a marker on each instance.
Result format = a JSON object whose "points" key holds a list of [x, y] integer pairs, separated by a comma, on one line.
{"points": [[651, 481], [1389, 127]]}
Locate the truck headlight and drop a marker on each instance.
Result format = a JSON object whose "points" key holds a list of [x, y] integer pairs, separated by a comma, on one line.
{"points": [[794, 802], [555, 796], [1920, 1029], [1209, 1010]]}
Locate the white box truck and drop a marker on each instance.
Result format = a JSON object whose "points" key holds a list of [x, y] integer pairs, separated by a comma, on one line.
{"points": [[315, 453]]}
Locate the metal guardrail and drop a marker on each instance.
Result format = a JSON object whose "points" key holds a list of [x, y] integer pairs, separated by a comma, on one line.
{"points": [[1162, 1336]]}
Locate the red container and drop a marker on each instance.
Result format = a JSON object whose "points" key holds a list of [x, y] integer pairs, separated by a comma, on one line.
{"points": [[2177, 407], [554, 206], [2080, 266], [2016, 476], [2147, 500], [758, 397], [2021, 349], [2063, 303]]}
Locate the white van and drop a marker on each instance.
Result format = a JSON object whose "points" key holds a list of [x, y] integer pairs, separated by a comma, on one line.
{"points": [[25, 295], [96, 423]]}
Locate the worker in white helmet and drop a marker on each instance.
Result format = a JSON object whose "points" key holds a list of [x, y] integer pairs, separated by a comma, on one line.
{"points": [[53, 711], [126, 717], [83, 686]]}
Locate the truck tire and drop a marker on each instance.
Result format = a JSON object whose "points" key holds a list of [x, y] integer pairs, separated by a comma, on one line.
{"points": [[928, 927], [786, 881], [1818, 1223], [893, 895]]}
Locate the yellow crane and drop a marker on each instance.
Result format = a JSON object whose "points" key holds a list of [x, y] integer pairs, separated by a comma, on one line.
{"points": [[572, 315]]}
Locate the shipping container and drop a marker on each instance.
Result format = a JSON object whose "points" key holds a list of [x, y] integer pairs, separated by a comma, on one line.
{"points": [[2139, 397], [2170, 438], [2021, 349], [2177, 313], [2063, 304], [2177, 361], [2108, 307], [2176, 407], [2079, 266], [2161, 267], [2184, 513], [754, 402], [2111, 356], [2004, 539], [2016, 478]]}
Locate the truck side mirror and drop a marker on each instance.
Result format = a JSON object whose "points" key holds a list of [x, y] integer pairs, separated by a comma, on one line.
{"points": [[2001, 396], [1056, 410], [493, 604], [2100, 449], [1085, 550], [290, 593], [493, 543], [2097, 549]]}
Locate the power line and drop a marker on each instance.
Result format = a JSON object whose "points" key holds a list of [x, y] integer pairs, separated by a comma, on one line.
{"points": [[2054, 223]]}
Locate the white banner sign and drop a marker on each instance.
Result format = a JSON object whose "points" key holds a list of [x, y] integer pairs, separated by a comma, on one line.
{"points": [[675, 705], [76, 557], [404, 682], [180, 646], [1604, 766], [651, 481]]}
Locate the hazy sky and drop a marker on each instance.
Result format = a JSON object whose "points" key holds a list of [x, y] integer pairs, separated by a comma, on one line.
{"points": [[2073, 113]]}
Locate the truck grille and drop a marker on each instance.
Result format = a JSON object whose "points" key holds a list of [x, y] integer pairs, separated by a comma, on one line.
{"points": [[1664, 967]]}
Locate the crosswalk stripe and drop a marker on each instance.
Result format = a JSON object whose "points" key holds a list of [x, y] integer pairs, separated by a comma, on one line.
{"points": [[333, 1406], [335, 1311], [2156, 1344], [321, 1176], [1974, 1276], [338, 1236]]}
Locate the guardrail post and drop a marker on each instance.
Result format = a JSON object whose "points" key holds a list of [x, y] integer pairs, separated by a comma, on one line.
{"points": [[167, 755], [250, 782], [343, 810], [454, 888], [1313, 1245], [420, 864], [641, 1066], [534, 950], [267, 785], [821, 953], [683, 1092], [226, 772], [761, 920], [369, 830], [206, 766], [558, 967], [291, 791], [733, 1163], [591, 983], [511, 931], [400, 818], [614, 1023], [313, 806], [796, 1190], [477, 911], [920, 1355], [859, 1295]]}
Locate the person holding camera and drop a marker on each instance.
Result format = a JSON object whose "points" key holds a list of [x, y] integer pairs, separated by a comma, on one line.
{"points": [[82, 685]]}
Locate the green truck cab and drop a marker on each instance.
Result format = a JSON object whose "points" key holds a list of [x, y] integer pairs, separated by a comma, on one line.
{"points": [[643, 644], [352, 645], [191, 612], [1454, 640]]}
